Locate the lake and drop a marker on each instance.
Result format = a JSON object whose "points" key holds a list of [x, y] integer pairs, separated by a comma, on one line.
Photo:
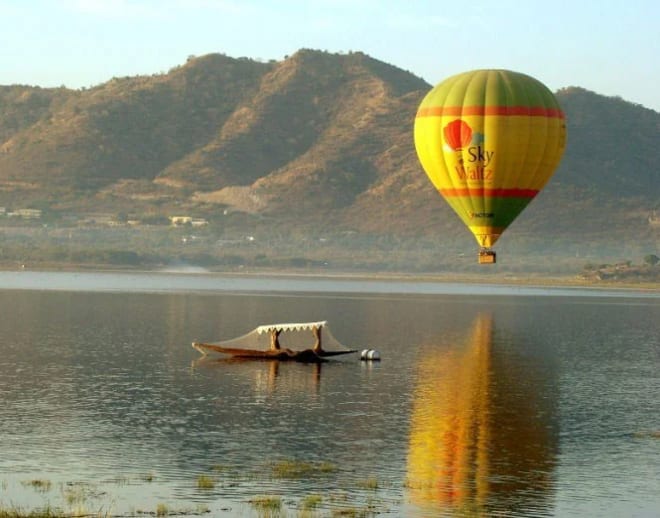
{"points": [[489, 400]]}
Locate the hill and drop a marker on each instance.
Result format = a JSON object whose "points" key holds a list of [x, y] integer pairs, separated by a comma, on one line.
{"points": [[315, 144]]}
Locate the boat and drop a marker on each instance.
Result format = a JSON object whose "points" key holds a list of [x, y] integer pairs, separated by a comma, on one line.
{"points": [[279, 342]]}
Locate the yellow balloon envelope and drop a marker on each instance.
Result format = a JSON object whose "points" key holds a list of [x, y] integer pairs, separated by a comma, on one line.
{"points": [[489, 140]]}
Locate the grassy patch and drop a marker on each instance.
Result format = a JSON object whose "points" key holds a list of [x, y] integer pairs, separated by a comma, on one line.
{"points": [[327, 467], [43, 486], [38, 513], [292, 469], [267, 503], [311, 502], [369, 483], [300, 469], [205, 482], [120, 480], [78, 493], [655, 434], [353, 512]]}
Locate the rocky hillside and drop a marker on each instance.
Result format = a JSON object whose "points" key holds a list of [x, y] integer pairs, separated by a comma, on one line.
{"points": [[318, 140]]}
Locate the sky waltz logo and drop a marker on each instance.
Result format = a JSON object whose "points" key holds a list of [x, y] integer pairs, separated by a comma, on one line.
{"points": [[473, 160]]}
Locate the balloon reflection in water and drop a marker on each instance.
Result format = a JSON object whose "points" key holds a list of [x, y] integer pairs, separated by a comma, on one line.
{"points": [[482, 435]]}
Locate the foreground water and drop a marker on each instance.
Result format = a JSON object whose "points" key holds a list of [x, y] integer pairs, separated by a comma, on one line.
{"points": [[489, 400]]}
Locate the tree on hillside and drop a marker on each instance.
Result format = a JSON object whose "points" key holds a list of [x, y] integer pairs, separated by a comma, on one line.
{"points": [[651, 259]]}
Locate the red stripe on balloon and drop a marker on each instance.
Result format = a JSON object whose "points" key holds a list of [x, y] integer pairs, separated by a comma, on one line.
{"points": [[491, 193], [463, 111]]}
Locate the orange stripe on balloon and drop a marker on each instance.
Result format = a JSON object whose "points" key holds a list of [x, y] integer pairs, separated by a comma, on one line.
{"points": [[490, 193], [464, 111]]}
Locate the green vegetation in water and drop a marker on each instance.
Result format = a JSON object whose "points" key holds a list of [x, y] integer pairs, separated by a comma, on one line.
{"points": [[267, 504], [655, 434], [300, 469], [369, 483], [311, 502], [78, 493], [47, 512], [120, 480], [327, 467], [205, 482], [163, 509], [353, 512], [43, 486], [124, 480]]}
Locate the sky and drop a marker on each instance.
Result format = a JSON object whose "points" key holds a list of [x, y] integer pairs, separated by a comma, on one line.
{"points": [[611, 47]]}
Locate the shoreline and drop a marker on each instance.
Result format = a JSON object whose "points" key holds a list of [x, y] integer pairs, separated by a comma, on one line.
{"points": [[504, 279]]}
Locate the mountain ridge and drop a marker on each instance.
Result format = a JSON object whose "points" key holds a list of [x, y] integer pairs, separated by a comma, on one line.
{"points": [[317, 140]]}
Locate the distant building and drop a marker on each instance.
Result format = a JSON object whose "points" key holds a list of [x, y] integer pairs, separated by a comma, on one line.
{"points": [[26, 213], [98, 219], [178, 221], [199, 222]]}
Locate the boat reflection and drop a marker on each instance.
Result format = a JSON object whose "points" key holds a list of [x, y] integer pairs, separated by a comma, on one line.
{"points": [[268, 376], [481, 433]]}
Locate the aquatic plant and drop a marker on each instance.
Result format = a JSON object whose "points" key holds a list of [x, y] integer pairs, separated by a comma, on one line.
{"points": [[120, 480], [327, 467], [300, 469], [655, 434], [74, 496], [46, 512], [353, 512], [370, 483], [291, 469], [311, 502], [205, 482], [267, 503], [43, 486], [162, 510]]}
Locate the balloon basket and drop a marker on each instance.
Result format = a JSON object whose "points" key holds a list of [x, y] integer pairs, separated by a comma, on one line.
{"points": [[487, 257]]}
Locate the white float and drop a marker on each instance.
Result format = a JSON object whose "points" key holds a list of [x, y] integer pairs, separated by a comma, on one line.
{"points": [[370, 355]]}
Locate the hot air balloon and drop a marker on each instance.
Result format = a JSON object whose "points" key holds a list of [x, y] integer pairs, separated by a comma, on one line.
{"points": [[489, 140]]}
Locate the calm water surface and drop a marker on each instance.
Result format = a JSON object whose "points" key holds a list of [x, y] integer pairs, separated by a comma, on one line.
{"points": [[489, 401]]}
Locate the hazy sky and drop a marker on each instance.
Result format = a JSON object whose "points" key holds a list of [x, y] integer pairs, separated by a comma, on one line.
{"points": [[609, 46]]}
